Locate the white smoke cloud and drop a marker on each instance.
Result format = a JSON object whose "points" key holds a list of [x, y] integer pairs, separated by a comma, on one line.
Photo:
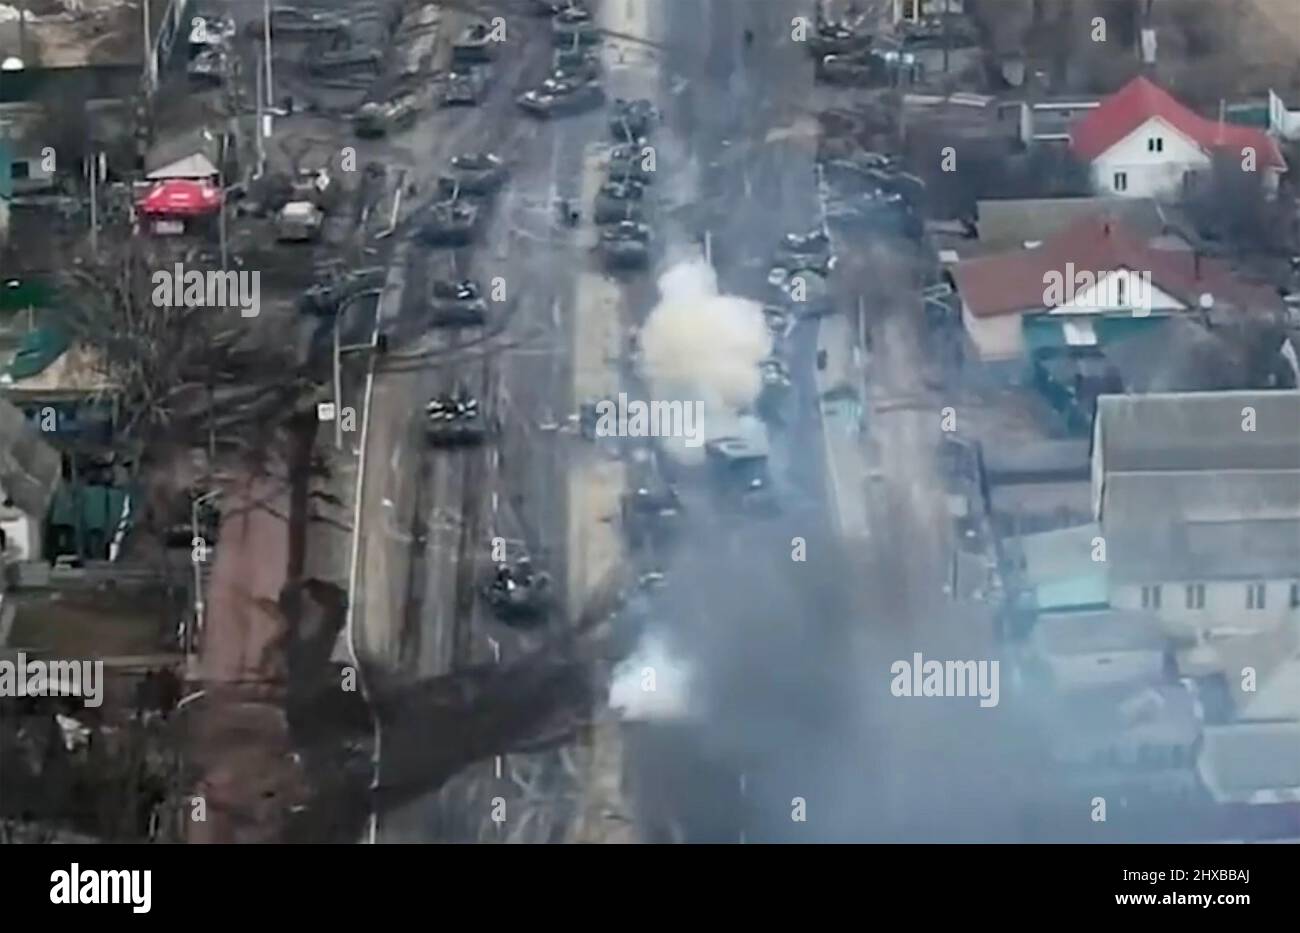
{"points": [[699, 345], [651, 684]]}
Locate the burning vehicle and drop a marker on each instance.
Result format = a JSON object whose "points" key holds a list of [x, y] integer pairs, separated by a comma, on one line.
{"points": [[473, 45], [475, 173], [626, 244], [465, 88], [574, 24], [457, 304], [450, 223], [562, 97], [738, 474], [618, 201], [633, 119], [519, 593], [454, 418]]}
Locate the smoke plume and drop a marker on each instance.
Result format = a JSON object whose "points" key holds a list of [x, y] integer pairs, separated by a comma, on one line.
{"points": [[699, 345]]}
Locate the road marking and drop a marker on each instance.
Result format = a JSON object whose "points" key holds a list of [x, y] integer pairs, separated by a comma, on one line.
{"points": [[498, 767]]}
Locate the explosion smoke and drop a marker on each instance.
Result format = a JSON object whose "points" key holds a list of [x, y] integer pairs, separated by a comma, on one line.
{"points": [[698, 344], [650, 684]]}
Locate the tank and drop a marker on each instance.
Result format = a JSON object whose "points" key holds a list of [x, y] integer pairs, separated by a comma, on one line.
{"points": [[457, 304]]}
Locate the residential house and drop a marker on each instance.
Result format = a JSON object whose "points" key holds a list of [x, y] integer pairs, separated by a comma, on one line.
{"points": [[1198, 497], [1141, 142], [1088, 283], [30, 476], [1086, 650]]}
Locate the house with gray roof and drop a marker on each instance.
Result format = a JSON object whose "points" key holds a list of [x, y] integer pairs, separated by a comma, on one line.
{"points": [[1198, 497]]}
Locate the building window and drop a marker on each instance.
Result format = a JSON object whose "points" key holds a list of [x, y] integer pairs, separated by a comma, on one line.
{"points": [[1295, 595], [1254, 596], [1196, 596], [1151, 597], [19, 171], [1120, 182], [1155, 144]]}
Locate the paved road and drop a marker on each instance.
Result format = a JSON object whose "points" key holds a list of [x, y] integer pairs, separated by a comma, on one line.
{"points": [[431, 515], [793, 658]]}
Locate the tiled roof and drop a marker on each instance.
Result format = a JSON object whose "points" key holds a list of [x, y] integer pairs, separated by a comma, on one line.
{"points": [[1013, 283], [1140, 100]]}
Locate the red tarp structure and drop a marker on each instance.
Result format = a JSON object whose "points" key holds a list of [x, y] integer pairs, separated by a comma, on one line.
{"points": [[180, 197]]}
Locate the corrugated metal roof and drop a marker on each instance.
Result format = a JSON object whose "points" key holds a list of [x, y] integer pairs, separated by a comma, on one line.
{"points": [[1066, 633], [1199, 431], [1248, 762]]}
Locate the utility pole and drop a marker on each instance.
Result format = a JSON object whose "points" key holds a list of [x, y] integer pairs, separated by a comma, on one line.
{"points": [[266, 44], [94, 208], [338, 381], [260, 129]]}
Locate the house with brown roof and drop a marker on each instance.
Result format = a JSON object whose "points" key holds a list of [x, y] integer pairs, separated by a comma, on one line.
{"points": [[1142, 142], [1090, 282]]}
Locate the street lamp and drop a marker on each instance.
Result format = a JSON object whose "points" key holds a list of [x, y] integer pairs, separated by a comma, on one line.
{"points": [[199, 605]]}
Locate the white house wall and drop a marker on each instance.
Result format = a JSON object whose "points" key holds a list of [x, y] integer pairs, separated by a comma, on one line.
{"points": [[1150, 174], [997, 337], [1225, 604]]}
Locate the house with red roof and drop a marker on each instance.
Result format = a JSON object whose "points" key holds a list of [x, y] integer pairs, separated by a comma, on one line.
{"points": [[1141, 142], [1092, 281]]}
